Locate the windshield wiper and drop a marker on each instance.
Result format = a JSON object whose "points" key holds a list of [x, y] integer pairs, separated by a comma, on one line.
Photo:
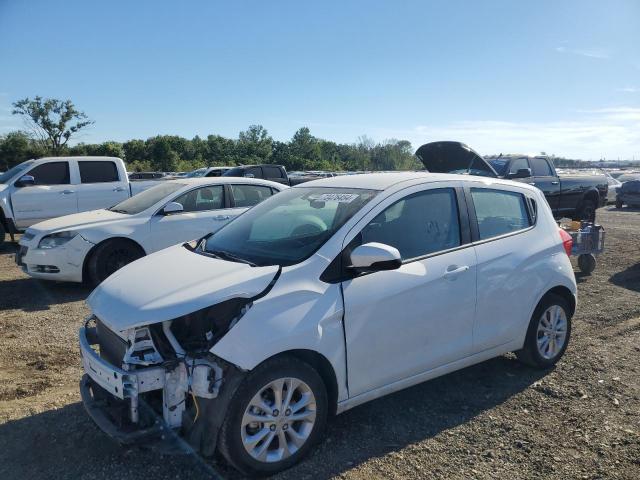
{"points": [[119, 211], [229, 256]]}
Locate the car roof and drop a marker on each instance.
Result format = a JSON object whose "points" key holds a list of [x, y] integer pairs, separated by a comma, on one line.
{"points": [[224, 180], [80, 157], [387, 180]]}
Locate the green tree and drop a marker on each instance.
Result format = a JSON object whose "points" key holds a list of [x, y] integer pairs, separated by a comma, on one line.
{"points": [[254, 145], [134, 150], [220, 151], [16, 147], [52, 121]]}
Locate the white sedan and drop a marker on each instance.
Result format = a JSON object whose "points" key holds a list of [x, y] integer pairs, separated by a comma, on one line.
{"points": [[90, 246], [323, 297]]}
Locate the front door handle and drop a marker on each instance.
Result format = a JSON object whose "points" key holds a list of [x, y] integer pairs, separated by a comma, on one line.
{"points": [[453, 271], [222, 217], [555, 182], [67, 192], [118, 189]]}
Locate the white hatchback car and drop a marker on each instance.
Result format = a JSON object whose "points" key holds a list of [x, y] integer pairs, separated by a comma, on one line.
{"points": [[328, 295], [90, 246]]}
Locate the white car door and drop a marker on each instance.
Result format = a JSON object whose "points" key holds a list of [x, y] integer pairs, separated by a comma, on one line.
{"points": [[204, 212], [403, 322], [51, 196], [507, 250], [100, 185]]}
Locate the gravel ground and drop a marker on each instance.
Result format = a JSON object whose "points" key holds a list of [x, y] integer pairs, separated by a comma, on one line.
{"points": [[498, 419]]}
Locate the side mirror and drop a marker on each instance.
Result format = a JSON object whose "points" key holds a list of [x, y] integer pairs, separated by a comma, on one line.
{"points": [[25, 181], [374, 257], [172, 207], [521, 173]]}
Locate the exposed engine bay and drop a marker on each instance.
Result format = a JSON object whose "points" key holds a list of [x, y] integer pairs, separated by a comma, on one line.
{"points": [[162, 376]]}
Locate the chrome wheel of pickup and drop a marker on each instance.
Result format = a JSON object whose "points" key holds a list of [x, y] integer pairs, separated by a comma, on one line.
{"points": [[278, 420]]}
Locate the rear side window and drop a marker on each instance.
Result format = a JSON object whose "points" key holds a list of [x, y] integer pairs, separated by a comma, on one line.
{"points": [[98, 172], [420, 224], [249, 195], [54, 173], [540, 167], [499, 212], [253, 172], [272, 172]]}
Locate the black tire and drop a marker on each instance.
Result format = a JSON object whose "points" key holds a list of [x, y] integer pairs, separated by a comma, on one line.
{"points": [[587, 263], [529, 354], [111, 256], [230, 440], [587, 211], [618, 204]]}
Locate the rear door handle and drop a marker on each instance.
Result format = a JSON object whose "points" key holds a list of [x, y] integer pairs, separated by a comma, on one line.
{"points": [[453, 271], [67, 192], [555, 182], [222, 217]]}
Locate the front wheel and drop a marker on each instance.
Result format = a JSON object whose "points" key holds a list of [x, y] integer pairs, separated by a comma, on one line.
{"points": [[548, 333], [274, 419], [3, 234], [587, 211], [110, 257], [618, 204]]}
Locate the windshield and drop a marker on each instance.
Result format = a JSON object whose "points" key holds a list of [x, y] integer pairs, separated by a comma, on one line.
{"points": [[499, 165], [288, 227], [12, 172], [196, 173], [147, 198], [234, 172]]}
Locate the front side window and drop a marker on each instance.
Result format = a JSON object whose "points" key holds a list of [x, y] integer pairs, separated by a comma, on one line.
{"points": [[202, 199], [420, 224], [53, 173], [249, 195], [98, 172], [499, 212], [540, 167], [289, 227], [272, 172], [147, 198], [518, 164]]}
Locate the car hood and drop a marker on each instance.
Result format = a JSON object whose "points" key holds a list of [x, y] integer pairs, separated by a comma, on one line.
{"points": [[3, 187], [453, 157], [171, 283], [77, 221]]}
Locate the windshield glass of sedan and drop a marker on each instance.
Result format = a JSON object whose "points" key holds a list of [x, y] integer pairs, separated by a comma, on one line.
{"points": [[147, 198], [12, 172], [288, 227]]}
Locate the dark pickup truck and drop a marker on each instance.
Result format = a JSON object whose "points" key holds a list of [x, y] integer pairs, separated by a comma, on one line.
{"points": [[572, 196], [275, 173]]}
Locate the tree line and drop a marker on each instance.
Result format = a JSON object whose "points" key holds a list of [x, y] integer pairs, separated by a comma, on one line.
{"points": [[51, 123]]}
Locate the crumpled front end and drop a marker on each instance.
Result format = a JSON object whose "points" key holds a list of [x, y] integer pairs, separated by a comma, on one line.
{"points": [[145, 383]]}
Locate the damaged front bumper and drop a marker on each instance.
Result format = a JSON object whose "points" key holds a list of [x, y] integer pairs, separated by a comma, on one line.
{"points": [[111, 395]]}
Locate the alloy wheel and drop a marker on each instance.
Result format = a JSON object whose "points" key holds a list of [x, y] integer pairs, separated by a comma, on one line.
{"points": [[552, 332]]}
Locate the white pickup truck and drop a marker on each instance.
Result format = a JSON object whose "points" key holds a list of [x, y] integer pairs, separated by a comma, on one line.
{"points": [[38, 190]]}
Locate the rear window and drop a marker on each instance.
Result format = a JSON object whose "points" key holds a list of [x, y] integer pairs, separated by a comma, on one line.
{"points": [[499, 212], [98, 172]]}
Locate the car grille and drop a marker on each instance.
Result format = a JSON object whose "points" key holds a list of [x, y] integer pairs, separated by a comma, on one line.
{"points": [[112, 347]]}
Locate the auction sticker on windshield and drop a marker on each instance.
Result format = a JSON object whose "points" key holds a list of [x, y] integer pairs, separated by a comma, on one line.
{"points": [[334, 197]]}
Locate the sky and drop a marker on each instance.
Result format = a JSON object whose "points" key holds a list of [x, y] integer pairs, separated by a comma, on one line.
{"points": [[501, 76]]}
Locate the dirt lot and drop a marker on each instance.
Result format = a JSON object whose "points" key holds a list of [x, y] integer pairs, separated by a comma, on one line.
{"points": [[494, 420]]}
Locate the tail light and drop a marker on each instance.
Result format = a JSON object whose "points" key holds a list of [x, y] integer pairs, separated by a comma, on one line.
{"points": [[567, 241]]}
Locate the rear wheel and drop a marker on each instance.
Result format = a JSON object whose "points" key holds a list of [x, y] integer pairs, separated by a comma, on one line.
{"points": [[548, 333], [3, 234], [618, 204], [587, 211], [110, 257], [274, 419]]}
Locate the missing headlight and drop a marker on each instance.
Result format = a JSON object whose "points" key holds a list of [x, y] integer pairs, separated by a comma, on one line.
{"points": [[201, 330]]}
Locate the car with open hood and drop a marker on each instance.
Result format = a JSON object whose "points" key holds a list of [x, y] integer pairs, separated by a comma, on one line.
{"points": [[90, 246], [328, 295], [574, 196]]}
